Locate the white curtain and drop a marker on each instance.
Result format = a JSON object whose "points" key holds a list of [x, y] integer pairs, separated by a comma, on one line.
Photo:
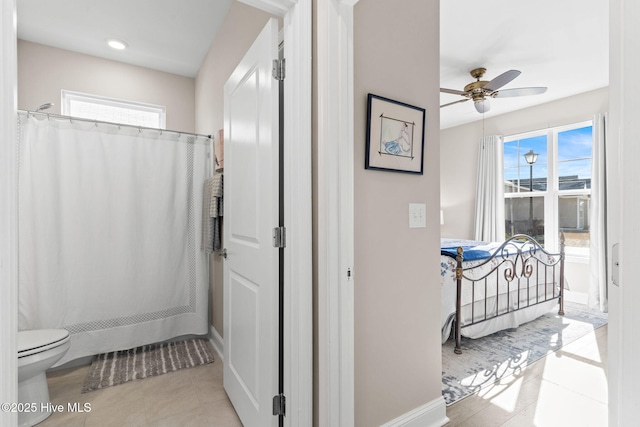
{"points": [[108, 222], [489, 215], [598, 297]]}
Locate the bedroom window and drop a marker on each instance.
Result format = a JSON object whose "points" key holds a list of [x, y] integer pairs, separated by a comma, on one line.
{"points": [[105, 109], [547, 186]]}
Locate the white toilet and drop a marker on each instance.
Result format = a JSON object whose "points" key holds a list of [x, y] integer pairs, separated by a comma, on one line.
{"points": [[38, 350]]}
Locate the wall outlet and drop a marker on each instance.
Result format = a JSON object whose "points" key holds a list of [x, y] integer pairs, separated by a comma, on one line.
{"points": [[417, 215]]}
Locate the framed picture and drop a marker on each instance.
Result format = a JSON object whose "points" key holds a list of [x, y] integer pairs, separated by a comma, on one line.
{"points": [[395, 136]]}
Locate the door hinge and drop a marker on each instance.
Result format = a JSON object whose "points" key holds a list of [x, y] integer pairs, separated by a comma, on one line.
{"points": [[279, 404], [279, 237], [278, 69]]}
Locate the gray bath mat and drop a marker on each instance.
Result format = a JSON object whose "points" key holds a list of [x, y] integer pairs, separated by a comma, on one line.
{"points": [[119, 367]]}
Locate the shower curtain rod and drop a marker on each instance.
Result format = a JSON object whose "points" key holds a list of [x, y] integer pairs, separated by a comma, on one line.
{"points": [[141, 128]]}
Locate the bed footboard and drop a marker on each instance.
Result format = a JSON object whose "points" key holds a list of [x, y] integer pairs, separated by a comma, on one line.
{"points": [[521, 266]]}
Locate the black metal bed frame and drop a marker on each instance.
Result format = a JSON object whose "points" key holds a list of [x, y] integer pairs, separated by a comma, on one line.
{"points": [[519, 255]]}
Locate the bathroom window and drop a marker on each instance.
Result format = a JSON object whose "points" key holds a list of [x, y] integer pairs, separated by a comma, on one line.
{"points": [[113, 110]]}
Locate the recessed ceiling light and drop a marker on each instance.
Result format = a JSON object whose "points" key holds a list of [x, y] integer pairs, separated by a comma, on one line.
{"points": [[116, 44]]}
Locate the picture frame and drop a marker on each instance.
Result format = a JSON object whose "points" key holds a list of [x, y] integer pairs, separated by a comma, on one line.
{"points": [[395, 136]]}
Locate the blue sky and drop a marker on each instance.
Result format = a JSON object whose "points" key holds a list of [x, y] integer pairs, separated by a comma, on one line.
{"points": [[572, 145]]}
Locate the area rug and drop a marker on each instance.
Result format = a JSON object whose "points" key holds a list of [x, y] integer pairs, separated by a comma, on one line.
{"points": [[119, 367], [485, 361]]}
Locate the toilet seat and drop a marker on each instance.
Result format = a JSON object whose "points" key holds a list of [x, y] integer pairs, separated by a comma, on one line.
{"points": [[39, 340]]}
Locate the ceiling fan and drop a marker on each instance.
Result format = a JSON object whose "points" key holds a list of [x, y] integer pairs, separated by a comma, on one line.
{"points": [[480, 90]]}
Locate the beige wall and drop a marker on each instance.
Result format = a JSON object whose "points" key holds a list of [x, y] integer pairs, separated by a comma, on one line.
{"points": [[397, 287], [459, 151], [44, 71], [240, 28]]}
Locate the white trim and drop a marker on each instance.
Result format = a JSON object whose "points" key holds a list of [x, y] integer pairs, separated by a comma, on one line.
{"points": [[298, 274], [622, 213], [431, 414], [69, 96], [334, 37], [8, 213], [276, 7], [217, 342], [552, 195]]}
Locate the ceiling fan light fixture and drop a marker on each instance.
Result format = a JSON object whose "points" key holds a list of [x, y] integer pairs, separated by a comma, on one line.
{"points": [[482, 105], [481, 91]]}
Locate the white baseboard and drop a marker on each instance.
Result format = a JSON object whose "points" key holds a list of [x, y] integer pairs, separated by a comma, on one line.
{"points": [[431, 414], [217, 342]]}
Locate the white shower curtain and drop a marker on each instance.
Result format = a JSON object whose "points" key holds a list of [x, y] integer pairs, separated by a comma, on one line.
{"points": [[108, 222], [489, 215]]}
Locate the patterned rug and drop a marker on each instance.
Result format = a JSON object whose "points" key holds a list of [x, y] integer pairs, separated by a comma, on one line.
{"points": [[119, 367], [485, 361]]}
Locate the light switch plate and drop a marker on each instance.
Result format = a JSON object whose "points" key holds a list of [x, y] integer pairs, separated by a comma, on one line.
{"points": [[417, 215]]}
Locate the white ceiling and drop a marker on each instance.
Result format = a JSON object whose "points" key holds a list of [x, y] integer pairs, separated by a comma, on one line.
{"points": [[561, 44], [166, 35]]}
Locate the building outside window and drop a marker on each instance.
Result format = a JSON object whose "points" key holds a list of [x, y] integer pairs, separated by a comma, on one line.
{"points": [[547, 186]]}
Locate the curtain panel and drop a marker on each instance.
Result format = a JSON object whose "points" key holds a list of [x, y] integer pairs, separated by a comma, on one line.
{"points": [[489, 215], [599, 259]]}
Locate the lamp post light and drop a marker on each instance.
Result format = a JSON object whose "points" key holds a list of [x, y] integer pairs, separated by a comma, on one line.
{"points": [[531, 158]]}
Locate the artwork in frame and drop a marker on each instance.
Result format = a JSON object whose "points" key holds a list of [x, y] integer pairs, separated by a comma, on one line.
{"points": [[395, 136]]}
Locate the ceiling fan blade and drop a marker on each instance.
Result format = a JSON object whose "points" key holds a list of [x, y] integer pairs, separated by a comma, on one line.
{"points": [[501, 80], [453, 91], [454, 102], [521, 91]]}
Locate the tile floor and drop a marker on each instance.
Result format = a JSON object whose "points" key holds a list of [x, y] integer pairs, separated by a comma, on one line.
{"points": [[187, 398], [566, 388]]}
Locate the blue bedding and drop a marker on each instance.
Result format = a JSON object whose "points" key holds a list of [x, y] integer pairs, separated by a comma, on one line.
{"points": [[473, 250]]}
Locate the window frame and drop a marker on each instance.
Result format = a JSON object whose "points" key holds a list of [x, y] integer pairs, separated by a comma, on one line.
{"points": [[67, 96], [553, 193]]}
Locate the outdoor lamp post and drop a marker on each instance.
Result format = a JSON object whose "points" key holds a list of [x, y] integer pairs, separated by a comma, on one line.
{"points": [[531, 158]]}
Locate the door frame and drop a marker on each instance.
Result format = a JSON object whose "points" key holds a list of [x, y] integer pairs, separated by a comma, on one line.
{"points": [[8, 212], [334, 209], [298, 270], [297, 194], [335, 212], [622, 154]]}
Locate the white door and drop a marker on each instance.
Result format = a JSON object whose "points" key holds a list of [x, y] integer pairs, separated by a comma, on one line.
{"points": [[250, 214]]}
